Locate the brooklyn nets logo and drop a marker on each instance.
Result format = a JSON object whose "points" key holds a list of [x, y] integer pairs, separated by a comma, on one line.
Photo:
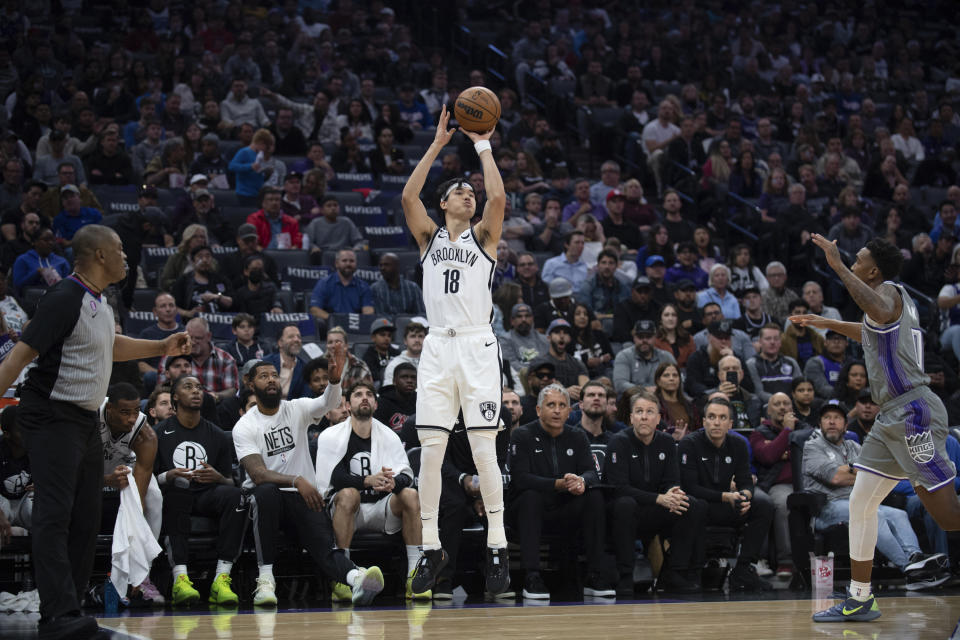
{"points": [[488, 410], [921, 447]]}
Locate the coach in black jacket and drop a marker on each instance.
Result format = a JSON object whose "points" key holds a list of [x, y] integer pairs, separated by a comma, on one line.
{"points": [[643, 468], [551, 472], [709, 460]]}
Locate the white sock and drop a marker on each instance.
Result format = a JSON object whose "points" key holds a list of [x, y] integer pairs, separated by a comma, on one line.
{"points": [[413, 556], [860, 590], [178, 570], [352, 576], [433, 445], [491, 485], [224, 566], [266, 570]]}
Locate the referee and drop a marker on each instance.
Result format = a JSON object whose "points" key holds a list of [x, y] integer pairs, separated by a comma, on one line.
{"points": [[72, 332]]}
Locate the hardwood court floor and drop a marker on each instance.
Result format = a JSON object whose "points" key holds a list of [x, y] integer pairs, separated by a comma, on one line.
{"points": [[928, 617]]}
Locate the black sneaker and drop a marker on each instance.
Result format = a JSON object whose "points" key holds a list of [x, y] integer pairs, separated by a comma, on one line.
{"points": [[79, 627], [534, 588], [672, 582], [443, 589], [428, 569], [919, 561], [598, 586], [744, 578], [498, 570], [926, 579], [625, 586]]}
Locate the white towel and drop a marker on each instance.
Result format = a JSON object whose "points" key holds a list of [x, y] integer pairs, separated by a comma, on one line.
{"points": [[386, 450], [134, 545], [23, 601]]}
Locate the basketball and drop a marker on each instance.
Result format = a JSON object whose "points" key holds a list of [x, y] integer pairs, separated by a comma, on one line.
{"points": [[477, 109]]}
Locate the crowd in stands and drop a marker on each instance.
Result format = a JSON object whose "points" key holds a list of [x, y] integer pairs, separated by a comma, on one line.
{"points": [[250, 157]]}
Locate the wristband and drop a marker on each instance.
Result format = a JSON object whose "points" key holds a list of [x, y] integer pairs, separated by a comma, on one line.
{"points": [[293, 483], [483, 145], [162, 478]]}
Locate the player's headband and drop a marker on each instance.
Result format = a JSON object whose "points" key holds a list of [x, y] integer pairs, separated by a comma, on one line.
{"points": [[456, 185]]}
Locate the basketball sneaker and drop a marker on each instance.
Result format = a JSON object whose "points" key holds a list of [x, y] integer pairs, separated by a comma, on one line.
{"points": [[744, 577], [428, 569], [265, 594], [220, 591], [411, 595], [443, 589], [924, 561], [183, 591], [340, 592], [368, 585], [498, 570], [534, 588], [850, 610], [598, 586]]}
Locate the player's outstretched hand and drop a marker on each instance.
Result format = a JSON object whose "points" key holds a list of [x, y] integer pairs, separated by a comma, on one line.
{"points": [[830, 251], [477, 137], [336, 360], [810, 320], [177, 345], [443, 135]]}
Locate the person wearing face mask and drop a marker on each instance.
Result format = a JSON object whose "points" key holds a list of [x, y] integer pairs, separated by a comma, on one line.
{"points": [[258, 295]]}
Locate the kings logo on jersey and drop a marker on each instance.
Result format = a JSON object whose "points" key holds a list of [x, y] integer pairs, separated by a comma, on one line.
{"points": [[921, 447], [488, 410]]}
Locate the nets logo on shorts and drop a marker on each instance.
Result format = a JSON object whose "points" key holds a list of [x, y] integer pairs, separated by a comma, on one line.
{"points": [[488, 410], [921, 447]]}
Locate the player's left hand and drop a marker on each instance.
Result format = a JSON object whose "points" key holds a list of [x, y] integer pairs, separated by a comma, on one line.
{"points": [[206, 474], [830, 251], [177, 345], [443, 135], [477, 137], [336, 360]]}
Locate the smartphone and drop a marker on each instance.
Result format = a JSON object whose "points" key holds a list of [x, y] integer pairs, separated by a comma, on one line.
{"points": [[732, 377]]}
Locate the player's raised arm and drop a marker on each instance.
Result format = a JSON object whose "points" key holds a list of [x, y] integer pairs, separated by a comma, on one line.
{"points": [[849, 329], [419, 223], [491, 225], [881, 304]]}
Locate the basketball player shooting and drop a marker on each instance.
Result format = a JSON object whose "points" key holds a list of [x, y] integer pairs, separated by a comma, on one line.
{"points": [[909, 434], [460, 362]]}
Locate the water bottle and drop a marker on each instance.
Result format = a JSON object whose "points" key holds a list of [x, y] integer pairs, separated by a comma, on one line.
{"points": [[111, 599]]}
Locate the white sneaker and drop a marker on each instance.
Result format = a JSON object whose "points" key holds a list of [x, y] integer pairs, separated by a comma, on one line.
{"points": [[150, 593], [265, 594], [763, 568], [368, 585]]}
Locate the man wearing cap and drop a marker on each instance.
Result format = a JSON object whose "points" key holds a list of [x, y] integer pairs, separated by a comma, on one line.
{"points": [[740, 342], [685, 299], [753, 317], [561, 295], [231, 264], [299, 206], [50, 204], [640, 306], [569, 264], [394, 294], [522, 344], [828, 460], [655, 268], [568, 371], [204, 210], [211, 163], [204, 289], [636, 366], [539, 374], [687, 268], [412, 112], [864, 412], [702, 365], [413, 335], [331, 231], [602, 292], [109, 164], [615, 226], [771, 371], [382, 350], [824, 369], [73, 216]]}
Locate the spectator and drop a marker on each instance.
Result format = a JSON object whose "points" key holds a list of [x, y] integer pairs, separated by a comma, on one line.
{"points": [[824, 369], [211, 163], [413, 336], [753, 318], [179, 263], [771, 371], [656, 270], [679, 415], [801, 343], [685, 299], [16, 486], [11, 189], [649, 501], [232, 264], [381, 350], [214, 367], [557, 495], [148, 148], [742, 345], [561, 293], [349, 157], [109, 164], [672, 337], [850, 233], [569, 372], [202, 210], [356, 369], [706, 474], [316, 159], [245, 347], [50, 202], [165, 311], [522, 344], [828, 460], [315, 120], [39, 267], [47, 166], [289, 137], [331, 232], [702, 363], [778, 298], [27, 228], [341, 292], [169, 168], [257, 294], [289, 363], [582, 204], [299, 206], [275, 229], [718, 293], [394, 294], [204, 289], [414, 113], [860, 420], [744, 274], [602, 292], [12, 315], [533, 289], [771, 452], [73, 216], [657, 136], [238, 108], [589, 344], [686, 267], [813, 296], [615, 225], [636, 366], [609, 182], [851, 381], [640, 306], [247, 166]]}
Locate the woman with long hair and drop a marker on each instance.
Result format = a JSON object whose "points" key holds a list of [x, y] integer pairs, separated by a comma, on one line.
{"points": [[386, 158], [530, 173], [357, 121], [719, 166], [677, 412], [806, 405], [775, 197], [672, 337], [179, 263], [745, 181], [743, 272], [591, 346], [708, 253], [658, 244], [890, 228], [851, 380]]}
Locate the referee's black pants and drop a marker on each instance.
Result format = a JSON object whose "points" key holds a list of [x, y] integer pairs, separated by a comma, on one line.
{"points": [[272, 508], [631, 521], [535, 512], [222, 502], [66, 461]]}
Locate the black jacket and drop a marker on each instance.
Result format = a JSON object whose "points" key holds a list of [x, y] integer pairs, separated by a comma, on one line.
{"points": [[393, 409], [537, 459], [706, 471], [640, 471]]}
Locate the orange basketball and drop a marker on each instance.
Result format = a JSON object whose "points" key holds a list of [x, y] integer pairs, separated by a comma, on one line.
{"points": [[477, 109]]}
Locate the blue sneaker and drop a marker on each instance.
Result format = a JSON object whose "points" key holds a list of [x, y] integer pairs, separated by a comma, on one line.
{"points": [[850, 610]]}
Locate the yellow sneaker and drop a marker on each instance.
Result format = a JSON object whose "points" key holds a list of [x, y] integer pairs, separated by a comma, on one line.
{"points": [[183, 591], [426, 595], [340, 592]]}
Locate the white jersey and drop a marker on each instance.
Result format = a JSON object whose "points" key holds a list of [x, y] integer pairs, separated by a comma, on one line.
{"points": [[116, 450], [457, 281]]}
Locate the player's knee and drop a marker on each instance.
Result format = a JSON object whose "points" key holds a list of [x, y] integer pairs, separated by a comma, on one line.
{"points": [[347, 499], [409, 500], [432, 438]]}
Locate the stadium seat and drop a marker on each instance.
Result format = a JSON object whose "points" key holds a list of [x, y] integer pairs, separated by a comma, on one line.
{"points": [[236, 215], [272, 323], [347, 198], [351, 181], [357, 323], [224, 197], [364, 214], [386, 237], [288, 258], [143, 299], [136, 321], [304, 278], [287, 300], [152, 260], [329, 258], [368, 274], [221, 324]]}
